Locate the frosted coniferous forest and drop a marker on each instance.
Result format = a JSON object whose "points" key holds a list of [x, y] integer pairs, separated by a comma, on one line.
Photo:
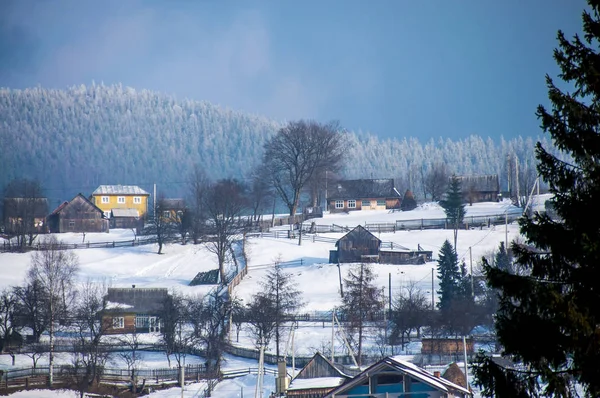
{"points": [[76, 139]]}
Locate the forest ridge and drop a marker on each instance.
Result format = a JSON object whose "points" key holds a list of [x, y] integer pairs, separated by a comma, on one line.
{"points": [[75, 139]]}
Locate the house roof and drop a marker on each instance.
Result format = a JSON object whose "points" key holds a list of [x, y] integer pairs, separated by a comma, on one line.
{"points": [[138, 300], [62, 206], [16, 206], [119, 190], [124, 212], [173, 204], [327, 375], [480, 183], [364, 189], [397, 364], [358, 233]]}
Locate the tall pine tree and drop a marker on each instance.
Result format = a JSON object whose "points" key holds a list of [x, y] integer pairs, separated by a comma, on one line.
{"points": [[449, 276], [453, 205], [548, 317]]}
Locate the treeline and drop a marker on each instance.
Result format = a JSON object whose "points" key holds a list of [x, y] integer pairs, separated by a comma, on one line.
{"points": [[76, 139]]}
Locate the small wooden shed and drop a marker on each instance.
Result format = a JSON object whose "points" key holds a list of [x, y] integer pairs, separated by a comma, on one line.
{"points": [[356, 246], [134, 309]]}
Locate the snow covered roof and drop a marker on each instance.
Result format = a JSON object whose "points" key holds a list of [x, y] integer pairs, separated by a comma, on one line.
{"points": [[363, 189], [407, 368], [125, 213], [119, 190], [317, 382]]}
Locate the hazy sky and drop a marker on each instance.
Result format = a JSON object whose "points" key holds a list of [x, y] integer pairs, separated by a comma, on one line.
{"points": [[421, 68]]}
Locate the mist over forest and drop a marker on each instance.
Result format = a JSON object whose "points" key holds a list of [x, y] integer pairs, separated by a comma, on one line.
{"points": [[75, 139]]}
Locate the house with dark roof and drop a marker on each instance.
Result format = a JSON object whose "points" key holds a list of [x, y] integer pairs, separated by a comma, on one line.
{"points": [[480, 188], [365, 194], [134, 309], [316, 379], [395, 377], [77, 215]]}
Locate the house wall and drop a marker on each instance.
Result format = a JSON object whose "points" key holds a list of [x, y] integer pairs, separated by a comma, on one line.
{"points": [[445, 346], [350, 251], [113, 203], [365, 204], [78, 216], [127, 222], [129, 323]]}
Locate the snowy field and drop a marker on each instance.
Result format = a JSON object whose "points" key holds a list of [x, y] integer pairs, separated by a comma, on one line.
{"points": [[318, 280]]}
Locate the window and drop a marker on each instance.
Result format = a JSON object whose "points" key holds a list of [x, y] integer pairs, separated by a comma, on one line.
{"points": [[141, 321], [105, 199], [366, 203], [71, 224], [137, 200], [166, 214], [339, 204], [121, 199], [352, 204], [380, 202], [118, 322]]}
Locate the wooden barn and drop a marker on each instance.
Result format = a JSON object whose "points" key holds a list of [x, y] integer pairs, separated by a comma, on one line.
{"points": [[78, 215], [361, 246], [480, 188], [358, 245], [366, 194], [316, 379], [394, 377], [134, 309], [445, 346]]}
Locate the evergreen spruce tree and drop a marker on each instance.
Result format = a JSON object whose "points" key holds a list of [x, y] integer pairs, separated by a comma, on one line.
{"points": [[453, 206], [449, 276], [549, 318], [502, 259]]}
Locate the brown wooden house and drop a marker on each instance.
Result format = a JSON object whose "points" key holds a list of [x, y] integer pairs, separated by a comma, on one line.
{"points": [[78, 215], [134, 309], [25, 215], [358, 245], [316, 379], [480, 188], [366, 194], [444, 346]]}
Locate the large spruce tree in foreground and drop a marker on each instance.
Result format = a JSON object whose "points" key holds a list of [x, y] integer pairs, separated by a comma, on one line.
{"points": [[549, 313]]}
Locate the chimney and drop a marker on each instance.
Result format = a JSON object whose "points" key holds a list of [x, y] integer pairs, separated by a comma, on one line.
{"points": [[436, 374]]}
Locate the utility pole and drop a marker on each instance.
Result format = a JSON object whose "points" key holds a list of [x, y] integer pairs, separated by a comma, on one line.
{"points": [[390, 291], [471, 261], [517, 180], [506, 229], [340, 275], [432, 291]]}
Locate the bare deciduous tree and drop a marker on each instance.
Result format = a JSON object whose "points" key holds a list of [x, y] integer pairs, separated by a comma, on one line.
{"points": [[296, 152], [436, 181], [224, 203], [54, 270], [163, 224], [8, 312], [410, 313], [260, 194], [90, 329], [198, 186]]}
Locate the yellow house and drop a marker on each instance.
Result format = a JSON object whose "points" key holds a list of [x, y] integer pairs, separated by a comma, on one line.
{"points": [[127, 197]]}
